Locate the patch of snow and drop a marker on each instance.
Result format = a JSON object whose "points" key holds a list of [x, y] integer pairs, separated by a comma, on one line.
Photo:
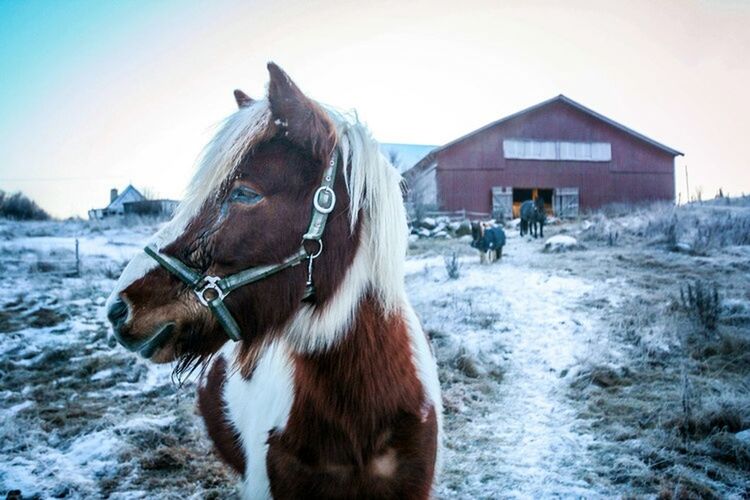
{"points": [[18, 407], [87, 458], [147, 422], [95, 451], [561, 243], [428, 223], [102, 374]]}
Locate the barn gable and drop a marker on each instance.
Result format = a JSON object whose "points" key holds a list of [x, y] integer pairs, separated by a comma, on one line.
{"points": [[539, 109]]}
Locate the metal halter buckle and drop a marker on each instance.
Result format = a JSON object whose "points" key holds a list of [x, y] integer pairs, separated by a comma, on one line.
{"points": [[321, 204], [210, 283]]}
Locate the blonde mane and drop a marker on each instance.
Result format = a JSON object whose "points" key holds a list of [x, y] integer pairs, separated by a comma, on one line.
{"points": [[372, 182]]}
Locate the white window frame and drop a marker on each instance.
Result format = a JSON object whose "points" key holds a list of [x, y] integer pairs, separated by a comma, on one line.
{"points": [[531, 149]]}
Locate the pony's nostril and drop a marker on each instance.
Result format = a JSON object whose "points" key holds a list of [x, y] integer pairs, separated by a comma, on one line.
{"points": [[117, 313]]}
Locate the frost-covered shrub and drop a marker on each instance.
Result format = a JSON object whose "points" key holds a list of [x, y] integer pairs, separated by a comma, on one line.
{"points": [[723, 230], [466, 364], [612, 238], [700, 301], [661, 224], [452, 266], [706, 414], [113, 270], [694, 229]]}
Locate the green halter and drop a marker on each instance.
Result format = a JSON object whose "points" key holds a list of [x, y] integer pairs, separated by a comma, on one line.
{"points": [[211, 290]]}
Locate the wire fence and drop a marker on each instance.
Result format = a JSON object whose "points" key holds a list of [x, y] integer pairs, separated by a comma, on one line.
{"points": [[49, 264]]}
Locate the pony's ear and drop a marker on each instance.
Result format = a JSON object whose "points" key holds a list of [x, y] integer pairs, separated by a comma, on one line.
{"points": [[303, 121], [243, 100]]}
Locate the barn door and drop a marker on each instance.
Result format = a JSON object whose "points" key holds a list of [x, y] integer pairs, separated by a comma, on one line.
{"points": [[566, 202], [502, 203]]}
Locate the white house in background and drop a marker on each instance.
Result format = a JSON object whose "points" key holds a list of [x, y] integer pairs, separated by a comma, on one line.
{"points": [[117, 202], [132, 202], [405, 156]]}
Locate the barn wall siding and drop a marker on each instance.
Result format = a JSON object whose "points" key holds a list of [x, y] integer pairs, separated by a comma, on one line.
{"points": [[638, 171]]}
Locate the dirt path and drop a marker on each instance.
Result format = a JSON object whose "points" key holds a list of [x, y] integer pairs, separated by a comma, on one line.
{"points": [[510, 428]]}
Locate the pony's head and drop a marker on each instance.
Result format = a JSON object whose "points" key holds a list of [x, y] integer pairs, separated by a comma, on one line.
{"points": [[539, 206], [248, 207], [476, 232]]}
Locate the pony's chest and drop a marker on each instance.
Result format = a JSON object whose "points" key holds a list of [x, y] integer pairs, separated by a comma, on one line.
{"points": [[318, 457], [257, 406]]}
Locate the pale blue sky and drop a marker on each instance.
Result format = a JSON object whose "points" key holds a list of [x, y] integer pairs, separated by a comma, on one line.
{"points": [[97, 94]]}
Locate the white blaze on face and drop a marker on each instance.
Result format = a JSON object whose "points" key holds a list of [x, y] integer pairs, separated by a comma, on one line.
{"points": [[142, 264]]}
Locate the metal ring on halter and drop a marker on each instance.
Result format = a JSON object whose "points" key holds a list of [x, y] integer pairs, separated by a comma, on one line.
{"points": [[320, 249], [328, 208], [211, 283]]}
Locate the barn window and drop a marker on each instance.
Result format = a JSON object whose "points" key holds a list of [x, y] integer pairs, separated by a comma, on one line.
{"points": [[601, 151], [525, 149], [530, 150], [585, 151]]}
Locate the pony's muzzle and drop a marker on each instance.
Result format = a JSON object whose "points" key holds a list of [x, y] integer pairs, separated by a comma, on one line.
{"points": [[117, 314]]}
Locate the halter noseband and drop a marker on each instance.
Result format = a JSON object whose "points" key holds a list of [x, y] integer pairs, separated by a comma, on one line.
{"points": [[211, 290]]}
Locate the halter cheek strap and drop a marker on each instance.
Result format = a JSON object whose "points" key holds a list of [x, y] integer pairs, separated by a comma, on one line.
{"points": [[211, 290]]}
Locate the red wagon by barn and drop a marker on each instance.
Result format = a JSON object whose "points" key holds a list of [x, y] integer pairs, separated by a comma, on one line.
{"points": [[566, 153]]}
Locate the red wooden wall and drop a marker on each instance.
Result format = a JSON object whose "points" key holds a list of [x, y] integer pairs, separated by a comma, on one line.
{"points": [[638, 171]]}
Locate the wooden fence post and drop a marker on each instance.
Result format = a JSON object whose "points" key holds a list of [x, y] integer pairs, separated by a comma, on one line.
{"points": [[78, 261]]}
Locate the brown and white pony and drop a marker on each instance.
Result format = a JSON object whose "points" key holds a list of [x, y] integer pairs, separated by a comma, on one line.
{"points": [[333, 395]]}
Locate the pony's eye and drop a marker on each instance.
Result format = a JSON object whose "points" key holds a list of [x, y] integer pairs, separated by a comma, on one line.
{"points": [[242, 194]]}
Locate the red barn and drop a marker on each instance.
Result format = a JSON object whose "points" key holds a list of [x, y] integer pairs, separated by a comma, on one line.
{"points": [[558, 149]]}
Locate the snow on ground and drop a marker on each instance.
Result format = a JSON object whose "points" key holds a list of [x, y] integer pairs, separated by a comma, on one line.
{"points": [[74, 405], [514, 432], [509, 428], [118, 249], [516, 343]]}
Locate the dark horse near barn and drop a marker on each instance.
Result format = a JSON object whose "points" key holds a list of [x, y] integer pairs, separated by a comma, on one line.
{"points": [[533, 215], [489, 240], [291, 242]]}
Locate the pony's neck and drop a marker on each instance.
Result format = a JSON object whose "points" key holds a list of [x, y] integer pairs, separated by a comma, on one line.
{"points": [[369, 370], [356, 347]]}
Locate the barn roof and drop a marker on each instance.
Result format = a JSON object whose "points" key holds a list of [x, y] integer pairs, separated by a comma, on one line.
{"points": [[425, 162]]}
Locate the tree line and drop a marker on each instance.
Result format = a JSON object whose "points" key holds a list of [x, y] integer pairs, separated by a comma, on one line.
{"points": [[18, 206]]}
